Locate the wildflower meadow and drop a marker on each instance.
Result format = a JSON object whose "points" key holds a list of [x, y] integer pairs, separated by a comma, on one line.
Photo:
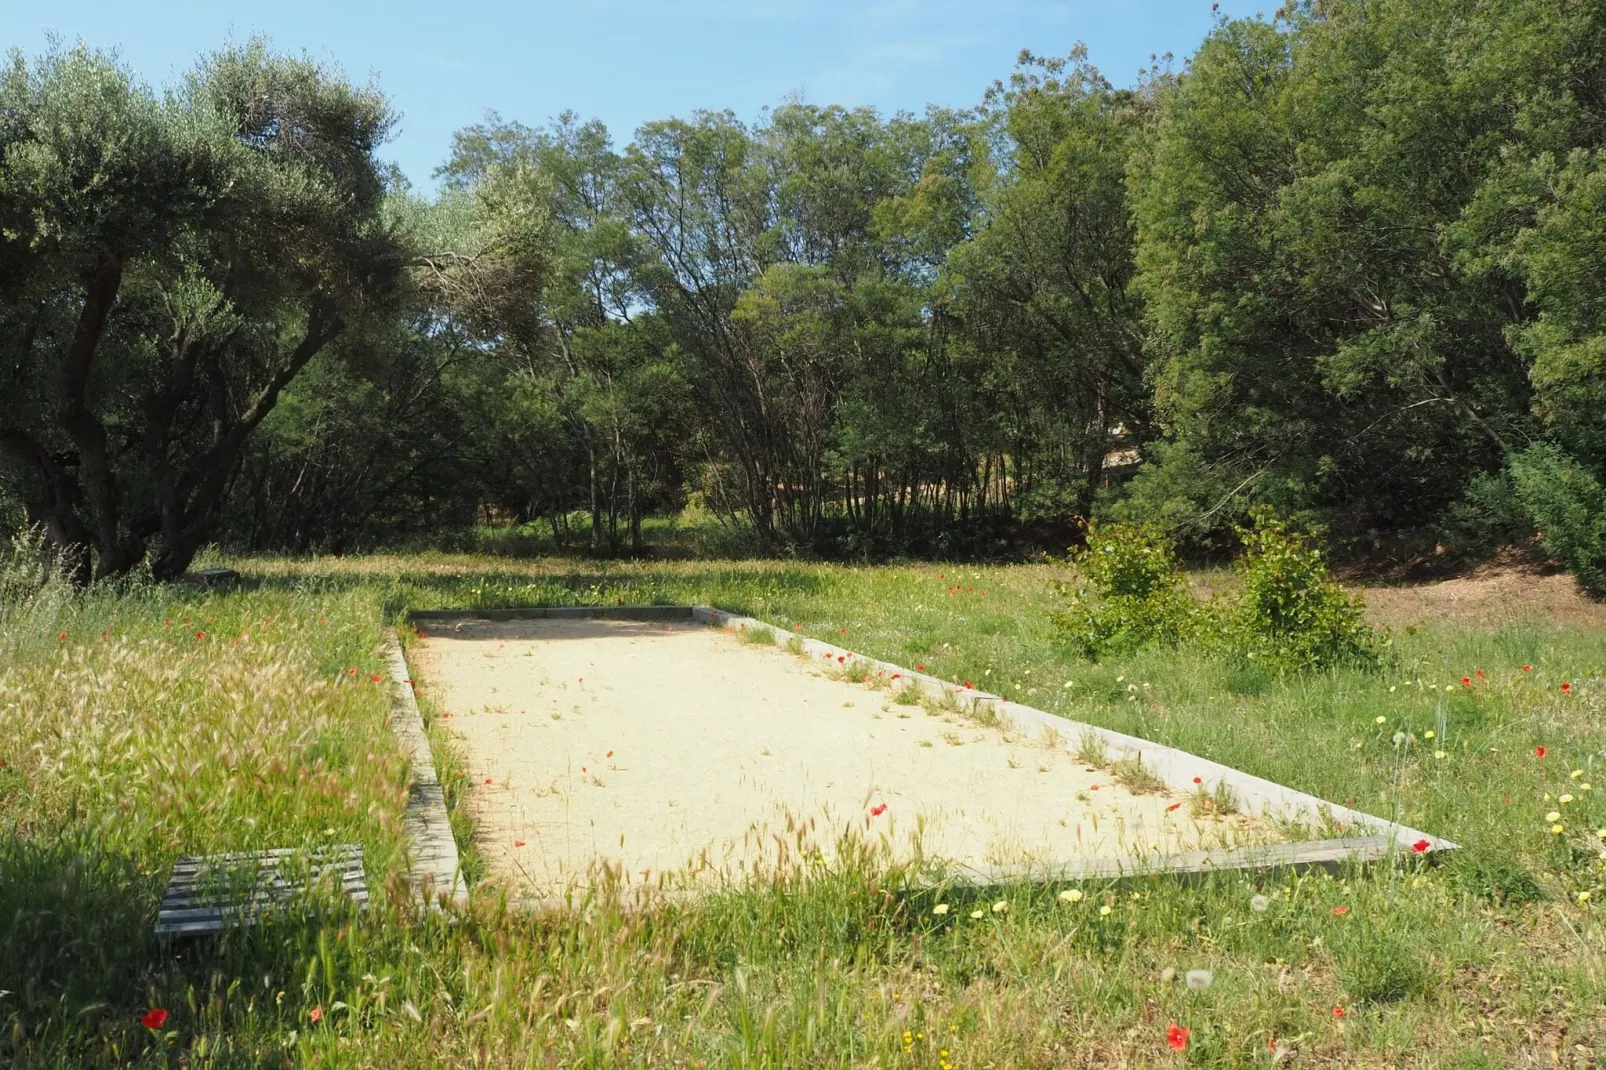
{"points": [[147, 722]]}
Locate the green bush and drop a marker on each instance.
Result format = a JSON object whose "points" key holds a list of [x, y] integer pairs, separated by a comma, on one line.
{"points": [[1289, 614], [1130, 593], [1568, 508], [1487, 517]]}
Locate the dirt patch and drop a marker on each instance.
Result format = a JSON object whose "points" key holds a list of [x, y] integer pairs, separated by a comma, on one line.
{"points": [[665, 749], [1491, 596]]}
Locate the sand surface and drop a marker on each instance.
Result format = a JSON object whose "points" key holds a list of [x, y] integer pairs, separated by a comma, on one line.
{"points": [[662, 748]]}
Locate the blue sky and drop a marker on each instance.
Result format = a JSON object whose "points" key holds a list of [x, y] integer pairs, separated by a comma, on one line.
{"points": [[628, 61]]}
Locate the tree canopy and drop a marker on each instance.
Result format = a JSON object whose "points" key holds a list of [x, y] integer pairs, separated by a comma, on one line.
{"points": [[1345, 262]]}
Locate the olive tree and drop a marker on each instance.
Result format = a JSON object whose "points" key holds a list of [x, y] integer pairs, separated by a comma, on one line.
{"points": [[168, 264]]}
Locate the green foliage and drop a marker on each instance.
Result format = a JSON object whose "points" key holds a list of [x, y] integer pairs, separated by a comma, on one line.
{"points": [[1493, 875], [1338, 212], [168, 265], [1382, 967], [1288, 613], [1568, 507], [1129, 594]]}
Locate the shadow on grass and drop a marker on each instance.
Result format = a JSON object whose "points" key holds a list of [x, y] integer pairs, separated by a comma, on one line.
{"points": [[81, 963]]}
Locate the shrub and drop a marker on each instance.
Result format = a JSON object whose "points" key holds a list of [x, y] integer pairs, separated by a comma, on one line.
{"points": [[1130, 593], [1568, 507], [1487, 517], [1289, 614]]}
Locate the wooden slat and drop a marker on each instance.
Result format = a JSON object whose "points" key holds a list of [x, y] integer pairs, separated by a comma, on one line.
{"points": [[209, 892]]}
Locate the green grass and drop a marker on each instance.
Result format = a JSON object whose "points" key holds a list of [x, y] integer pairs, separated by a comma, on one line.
{"points": [[132, 741]]}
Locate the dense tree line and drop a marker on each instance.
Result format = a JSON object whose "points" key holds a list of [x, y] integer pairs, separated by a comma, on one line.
{"points": [[1346, 262]]}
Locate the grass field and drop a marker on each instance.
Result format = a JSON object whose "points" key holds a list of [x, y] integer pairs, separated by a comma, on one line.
{"points": [[158, 722]]}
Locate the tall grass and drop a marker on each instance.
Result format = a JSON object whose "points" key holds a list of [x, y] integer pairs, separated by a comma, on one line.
{"points": [[132, 741]]}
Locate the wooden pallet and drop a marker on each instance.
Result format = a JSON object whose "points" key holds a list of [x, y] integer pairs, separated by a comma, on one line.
{"points": [[212, 892]]}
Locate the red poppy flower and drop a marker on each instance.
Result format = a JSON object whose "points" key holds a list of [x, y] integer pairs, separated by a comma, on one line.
{"points": [[1539, 752], [920, 668], [1466, 681], [322, 620], [62, 637], [969, 686], [1566, 687], [199, 636], [316, 1014], [844, 631], [582, 769], [608, 755], [1173, 806], [841, 657], [351, 672], [154, 1018], [1479, 674], [1176, 1037], [1198, 780], [423, 634], [1095, 787], [518, 843], [1338, 1012], [1527, 668], [942, 575], [877, 811], [984, 594], [1340, 911], [1421, 846], [487, 780], [375, 679]]}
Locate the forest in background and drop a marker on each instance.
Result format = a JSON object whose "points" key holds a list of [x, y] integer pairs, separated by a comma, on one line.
{"points": [[1348, 263]]}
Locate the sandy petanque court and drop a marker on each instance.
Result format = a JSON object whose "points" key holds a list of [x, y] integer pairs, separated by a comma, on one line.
{"points": [[677, 748]]}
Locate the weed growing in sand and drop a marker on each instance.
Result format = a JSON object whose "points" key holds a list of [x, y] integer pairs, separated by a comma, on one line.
{"points": [[1136, 777]]}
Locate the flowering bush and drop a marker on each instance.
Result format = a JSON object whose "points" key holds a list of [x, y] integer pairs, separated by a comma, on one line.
{"points": [[1131, 593]]}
